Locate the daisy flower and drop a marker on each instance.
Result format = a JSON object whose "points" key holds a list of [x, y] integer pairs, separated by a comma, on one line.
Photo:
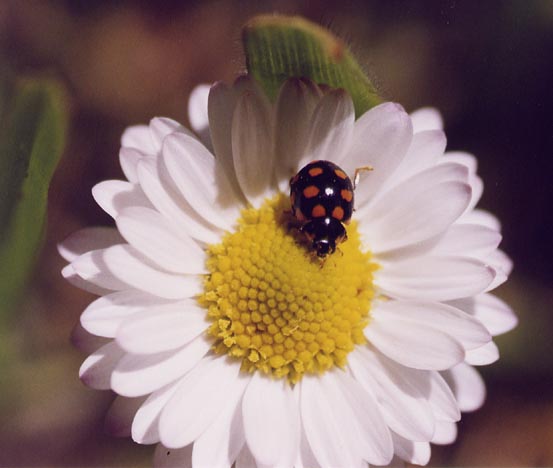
{"points": [[228, 341]]}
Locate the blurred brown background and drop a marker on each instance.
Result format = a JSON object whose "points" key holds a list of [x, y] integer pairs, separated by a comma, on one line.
{"points": [[487, 65]]}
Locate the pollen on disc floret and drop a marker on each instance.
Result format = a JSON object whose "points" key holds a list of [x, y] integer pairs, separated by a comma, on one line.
{"points": [[277, 307]]}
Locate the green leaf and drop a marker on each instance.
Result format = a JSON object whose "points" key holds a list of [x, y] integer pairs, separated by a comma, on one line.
{"points": [[32, 136], [6, 83], [280, 47]]}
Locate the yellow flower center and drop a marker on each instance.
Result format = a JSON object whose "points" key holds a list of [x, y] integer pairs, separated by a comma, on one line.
{"points": [[276, 306]]}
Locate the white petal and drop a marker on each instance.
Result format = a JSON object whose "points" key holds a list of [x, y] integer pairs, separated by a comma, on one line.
{"points": [[145, 425], [434, 278], [467, 385], [483, 218], [160, 127], [380, 139], [220, 443], [426, 118], [200, 180], [197, 112], [137, 375], [120, 415], [414, 345], [461, 157], [501, 261], [477, 186], [139, 137], [499, 279], [425, 150], [494, 313], [91, 267], [329, 436], [162, 327], [97, 368], [172, 458], [468, 239], [294, 109], [163, 194], [306, 457], [459, 325], [116, 195], [129, 159], [376, 442], [502, 266], [403, 217], [427, 386], [487, 354], [442, 399], [198, 401], [446, 433], [416, 183], [271, 421], [331, 128], [104, 316], [221, 105], [252, 146], [88, 239], [71, 276], [156, 237], [129, 266], [405, 410], [417, 453]]}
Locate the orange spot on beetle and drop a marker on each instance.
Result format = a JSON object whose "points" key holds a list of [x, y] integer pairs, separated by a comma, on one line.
{"points": [[346, 194], [310, 191], [338, 213], [340, 174], [318, 211], [315, 171]]}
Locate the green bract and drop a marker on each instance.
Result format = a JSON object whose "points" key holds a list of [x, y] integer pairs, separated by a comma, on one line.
{"points": [[280, 47]]}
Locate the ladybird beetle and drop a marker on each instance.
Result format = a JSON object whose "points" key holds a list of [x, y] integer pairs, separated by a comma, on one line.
{"points": [[321, 195]]}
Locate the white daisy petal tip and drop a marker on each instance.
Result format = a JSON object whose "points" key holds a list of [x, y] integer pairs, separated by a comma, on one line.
{"points": [[427, 118], [197, 107], [161, 127], [138, 137], [467, 385], [96, 370], [129, 159]]}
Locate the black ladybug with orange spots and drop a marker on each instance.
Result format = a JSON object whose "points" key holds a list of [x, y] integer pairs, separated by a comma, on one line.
{"points": [[321, 195]]}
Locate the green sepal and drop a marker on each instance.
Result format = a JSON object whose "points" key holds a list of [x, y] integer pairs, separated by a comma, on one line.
{"points": [[33, 126], [281, 47]]}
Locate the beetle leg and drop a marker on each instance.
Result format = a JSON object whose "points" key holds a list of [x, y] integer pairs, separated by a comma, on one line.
{"points": [[358, 172]]}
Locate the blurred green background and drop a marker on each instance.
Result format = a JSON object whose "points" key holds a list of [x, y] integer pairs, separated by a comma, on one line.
{"points": [[487, 65]]}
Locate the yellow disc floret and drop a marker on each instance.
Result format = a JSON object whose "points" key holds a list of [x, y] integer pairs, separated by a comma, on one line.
{"points": [[279, 308]]}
